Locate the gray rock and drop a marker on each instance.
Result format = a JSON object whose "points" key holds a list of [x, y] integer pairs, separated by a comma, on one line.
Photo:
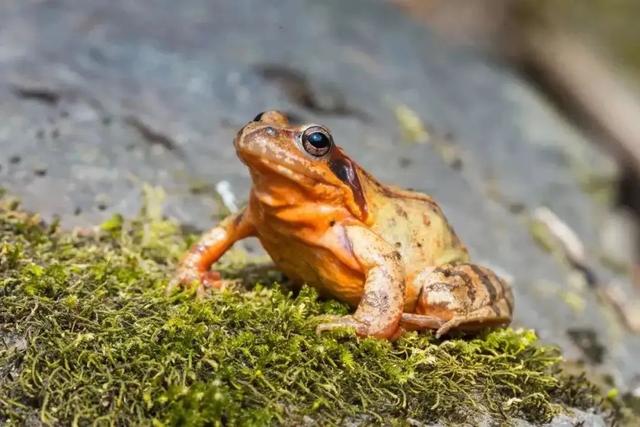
{"points": [[97, 98], [578, 418]]}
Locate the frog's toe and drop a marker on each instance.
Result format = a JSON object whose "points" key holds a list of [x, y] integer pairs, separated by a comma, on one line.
{"points": [[444, 329], [203, 282], [172, 287], [340, 322], [210, 281], [181, 281]]}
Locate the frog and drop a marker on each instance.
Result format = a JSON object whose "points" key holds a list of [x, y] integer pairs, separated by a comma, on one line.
{"points": [[387, 252]]}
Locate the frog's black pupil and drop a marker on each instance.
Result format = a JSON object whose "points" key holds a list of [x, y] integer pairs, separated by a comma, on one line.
{"points": [[319, 140], [258, 117]]}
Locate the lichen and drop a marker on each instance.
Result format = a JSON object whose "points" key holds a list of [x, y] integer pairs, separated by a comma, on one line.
{"points": [[411, 126], [90, 336]]}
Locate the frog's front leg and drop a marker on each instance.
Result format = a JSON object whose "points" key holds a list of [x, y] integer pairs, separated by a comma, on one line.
{"points": [[380, 309], [194, 266]]}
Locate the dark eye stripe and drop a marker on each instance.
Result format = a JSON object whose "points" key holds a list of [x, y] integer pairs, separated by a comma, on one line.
{"points": [[345, 170]]}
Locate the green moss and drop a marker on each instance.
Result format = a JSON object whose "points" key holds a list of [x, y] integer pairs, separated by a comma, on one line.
{"points": [[90, 336]]}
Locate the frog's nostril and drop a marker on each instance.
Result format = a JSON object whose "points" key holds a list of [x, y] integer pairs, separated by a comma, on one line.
{"points": [[258, 117]]}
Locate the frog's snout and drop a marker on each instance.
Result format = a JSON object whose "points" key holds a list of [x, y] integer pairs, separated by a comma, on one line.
{"points": [[267, 121]]}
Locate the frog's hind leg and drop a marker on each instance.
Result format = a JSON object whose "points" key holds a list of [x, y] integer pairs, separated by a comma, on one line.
{"points": [[460, 297]]}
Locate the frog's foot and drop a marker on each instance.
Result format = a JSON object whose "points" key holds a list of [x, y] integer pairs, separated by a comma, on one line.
{"points": [[211, 281], [412, 322], [483, 318], [205, 281], [362, 328], [339, 322], [479, 319]]}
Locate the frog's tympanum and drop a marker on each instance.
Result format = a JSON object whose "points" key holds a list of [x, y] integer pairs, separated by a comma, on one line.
{"points": [[388, 252]]}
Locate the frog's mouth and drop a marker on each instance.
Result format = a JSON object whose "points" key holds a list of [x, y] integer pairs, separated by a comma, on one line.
{"points": [[267, 164]]}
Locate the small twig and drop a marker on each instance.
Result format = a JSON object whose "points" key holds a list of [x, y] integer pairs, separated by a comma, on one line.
{"points": [[571, 244]]}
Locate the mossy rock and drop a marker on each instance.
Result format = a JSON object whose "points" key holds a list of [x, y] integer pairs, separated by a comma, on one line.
{"points": [[90, 336]]}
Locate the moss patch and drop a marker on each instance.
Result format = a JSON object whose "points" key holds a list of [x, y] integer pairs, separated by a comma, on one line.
{"points": [[90, 336]]}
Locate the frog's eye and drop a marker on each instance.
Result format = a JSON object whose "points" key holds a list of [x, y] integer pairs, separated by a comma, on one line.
{"points": [[317, 141]]}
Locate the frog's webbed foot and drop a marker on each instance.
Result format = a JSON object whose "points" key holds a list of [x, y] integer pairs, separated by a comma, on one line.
{"points": [[483, 318], [332, 323]]}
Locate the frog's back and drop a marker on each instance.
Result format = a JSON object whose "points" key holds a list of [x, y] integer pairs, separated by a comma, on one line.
{"points": [[415, 224]]}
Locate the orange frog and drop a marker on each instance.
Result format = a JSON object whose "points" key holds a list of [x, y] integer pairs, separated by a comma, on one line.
{"points": [[388, 252]]}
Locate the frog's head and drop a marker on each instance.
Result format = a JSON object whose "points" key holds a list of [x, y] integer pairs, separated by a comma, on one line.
{"points": [[304, 155]]}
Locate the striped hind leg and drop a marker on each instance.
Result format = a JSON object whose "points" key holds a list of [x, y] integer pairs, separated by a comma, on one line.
{"points": [[460, 297]]}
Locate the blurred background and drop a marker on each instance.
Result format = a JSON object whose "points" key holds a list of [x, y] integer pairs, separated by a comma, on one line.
{"points": [[582, 56], [520, 117]]}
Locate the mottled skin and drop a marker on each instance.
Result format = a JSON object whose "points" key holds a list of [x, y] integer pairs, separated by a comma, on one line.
{"points": [[325, 221]]}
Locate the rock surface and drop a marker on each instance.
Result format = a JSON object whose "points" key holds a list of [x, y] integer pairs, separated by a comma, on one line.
{"points": [[97, 98]]}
